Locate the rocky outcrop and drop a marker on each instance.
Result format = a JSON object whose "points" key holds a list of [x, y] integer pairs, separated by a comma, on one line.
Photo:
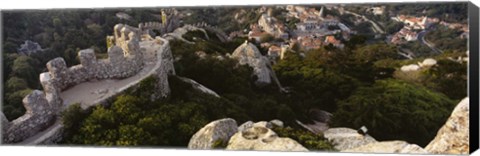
{"points": [[249, 54], [248, 136], [245, 126], [276, 123], [217, 130], [346, 138], [428, 62], [263, 124], [4, 122], [453, 137], [262, 138], [320, 121], [249, 124], [29, 47], [388, 147], [410, 67]]}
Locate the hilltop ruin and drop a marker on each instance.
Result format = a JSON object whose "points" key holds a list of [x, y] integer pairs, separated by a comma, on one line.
{"points": [[130, 54]]}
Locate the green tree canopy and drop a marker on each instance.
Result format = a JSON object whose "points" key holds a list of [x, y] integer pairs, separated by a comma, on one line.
{"points": [[395, 110]]}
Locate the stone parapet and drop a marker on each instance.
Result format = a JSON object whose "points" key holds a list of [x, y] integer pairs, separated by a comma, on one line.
{"points": [[43, 107], [39, 116]]}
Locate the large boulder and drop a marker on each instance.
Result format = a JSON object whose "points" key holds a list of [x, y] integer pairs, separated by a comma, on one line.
{"points": [[245, 126], [263, 124], [388, 147], [410, 67], [346, 138], [218, 130], [249, 124], [276, 123], [427, 62], [453, 137], [249, 54], [264, 139]]}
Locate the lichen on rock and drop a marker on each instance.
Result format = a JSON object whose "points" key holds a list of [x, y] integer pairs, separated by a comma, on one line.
{"points": [[259, 137], [453, 137], [389, 147], [346, 138], [205, 138]]}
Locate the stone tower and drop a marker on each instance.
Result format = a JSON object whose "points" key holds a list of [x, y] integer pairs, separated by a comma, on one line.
{"points": [[320, 13], [164, 18], [284, 49], [270, 12], [424, 21]]}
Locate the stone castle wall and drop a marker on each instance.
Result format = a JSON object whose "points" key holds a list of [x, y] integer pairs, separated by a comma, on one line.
{"points": [[218, 32], [39, 116], [43, 107], [171, 23]]}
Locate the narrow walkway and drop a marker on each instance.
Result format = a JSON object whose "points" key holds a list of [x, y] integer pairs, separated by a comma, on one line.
{"points": [[90, 93], [42, 136]]}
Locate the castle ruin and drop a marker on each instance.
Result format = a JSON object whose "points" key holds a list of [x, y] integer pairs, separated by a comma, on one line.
{"points": [[125, 59]]}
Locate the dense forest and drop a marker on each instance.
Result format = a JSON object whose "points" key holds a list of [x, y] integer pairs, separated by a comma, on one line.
{"points": [[360, 84]]}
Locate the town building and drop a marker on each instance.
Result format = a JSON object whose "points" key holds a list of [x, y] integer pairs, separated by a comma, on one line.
{"points": [[404, 35], [332, 40], [272, 26], [413, 22]]}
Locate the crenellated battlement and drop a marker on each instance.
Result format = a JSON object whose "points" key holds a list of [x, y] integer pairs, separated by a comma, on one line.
{"points": [[170, 21], [39, 115], [125, 59]]}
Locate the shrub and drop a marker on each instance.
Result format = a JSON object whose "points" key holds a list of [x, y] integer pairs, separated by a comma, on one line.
{"points": [[308, 139], [393, 109], [219, 144], [72, 118]]}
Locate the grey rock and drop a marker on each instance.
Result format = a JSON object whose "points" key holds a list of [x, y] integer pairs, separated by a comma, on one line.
{"points": [[263, 124], [388, 147], [249, 54], [276, 123], [346, 138], [320, 115], [5, 124], [245, 126], [264, 139], [217, 130], [29, 47], [453, 137]]}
